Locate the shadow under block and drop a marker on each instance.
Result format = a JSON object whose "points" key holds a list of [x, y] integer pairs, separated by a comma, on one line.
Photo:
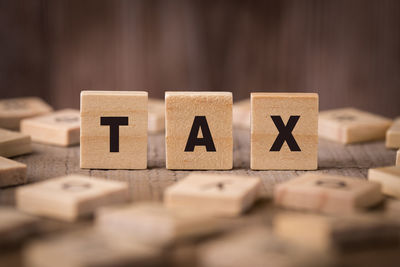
{"points": [[156, 115], [89, 248], [69, 197], [11, 172], [389, 178], [14, 143], [214, 194], [154, 224], [350, 125], [199, 130], [241, 114], [13, 110], [327, 193], [393, 135], [284, 131], [57, 128], [113, 130], [343, 234]]}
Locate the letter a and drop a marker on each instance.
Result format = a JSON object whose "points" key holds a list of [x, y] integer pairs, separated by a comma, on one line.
{"points": [[193, 140], [285, 133]]}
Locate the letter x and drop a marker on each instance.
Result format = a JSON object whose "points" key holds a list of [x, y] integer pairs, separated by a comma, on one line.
{"points": [[285, 133]]}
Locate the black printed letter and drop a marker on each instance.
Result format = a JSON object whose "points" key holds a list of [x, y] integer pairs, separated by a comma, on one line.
{"points": [[285, 133], [207, 141], [114, 123]]}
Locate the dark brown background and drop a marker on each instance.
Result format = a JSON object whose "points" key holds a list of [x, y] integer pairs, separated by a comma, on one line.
{"points": [[348, 51]]}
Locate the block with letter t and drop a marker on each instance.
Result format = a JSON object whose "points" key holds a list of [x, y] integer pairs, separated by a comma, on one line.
{"points": [[199, 130], [284, 131], [113, 130]]}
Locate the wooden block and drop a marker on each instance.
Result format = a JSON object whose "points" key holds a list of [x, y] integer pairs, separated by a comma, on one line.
{"points": [[327, 193], [350, 125], [256, 246], [199, 130], [344, 234], [57, 128], [69, 197], [284, 131], [13, 110], [241, 114], [156, 115], [89, 248], [14, 143], [398, 158], [113, 130], [393, 135], [15, 226], [154, 224], [11, 172], [388, 177], [216, 194]]}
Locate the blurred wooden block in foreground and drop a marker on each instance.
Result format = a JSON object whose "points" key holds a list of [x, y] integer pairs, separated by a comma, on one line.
{"points": [[327, 193], [350, 125], [58, 128], [216, 194], [14, 143], [69, 197], [11, 172], [388, 177], [13, 110]]}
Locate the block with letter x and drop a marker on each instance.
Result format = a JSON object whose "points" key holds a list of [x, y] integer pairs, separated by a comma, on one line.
{"points": [[284, 131], [113, 130], [199, 130]]}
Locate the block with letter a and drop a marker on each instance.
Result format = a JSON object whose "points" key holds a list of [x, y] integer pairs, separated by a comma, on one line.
{"points": [[113, 130], [284, 131]]}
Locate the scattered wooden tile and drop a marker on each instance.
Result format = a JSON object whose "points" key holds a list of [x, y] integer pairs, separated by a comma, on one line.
{"points": [[344, 234], [393, 135], [13, 110], [89, 248], [15, 226], [14, 143], [156, 115], [69, 197], [154, 224], [11, 172], [241, 114], [284, 131], [398, 158], [388, 177], [256, 246], [350, 125], [216, 194], [199, 130], [327, 193], [113, 130], [57, 128]]}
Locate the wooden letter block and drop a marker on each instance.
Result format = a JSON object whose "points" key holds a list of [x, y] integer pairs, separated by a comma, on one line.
{"points": [[389, 178], [14, 143], [156, 115], [113, 130], [350, 125], [67, 198], [216, 194], [199, 130], [11, 172], [13, 110], [393, 135], [327, 193], [241, 114], [284, 131], [154, 224], [58, 128], [89, 249]]}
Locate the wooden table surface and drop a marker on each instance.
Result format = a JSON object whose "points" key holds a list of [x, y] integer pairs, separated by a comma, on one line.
{"points": [[148, 185]]}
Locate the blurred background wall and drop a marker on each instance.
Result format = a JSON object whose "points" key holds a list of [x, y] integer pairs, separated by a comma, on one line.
{"points": [[348, 51]]}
